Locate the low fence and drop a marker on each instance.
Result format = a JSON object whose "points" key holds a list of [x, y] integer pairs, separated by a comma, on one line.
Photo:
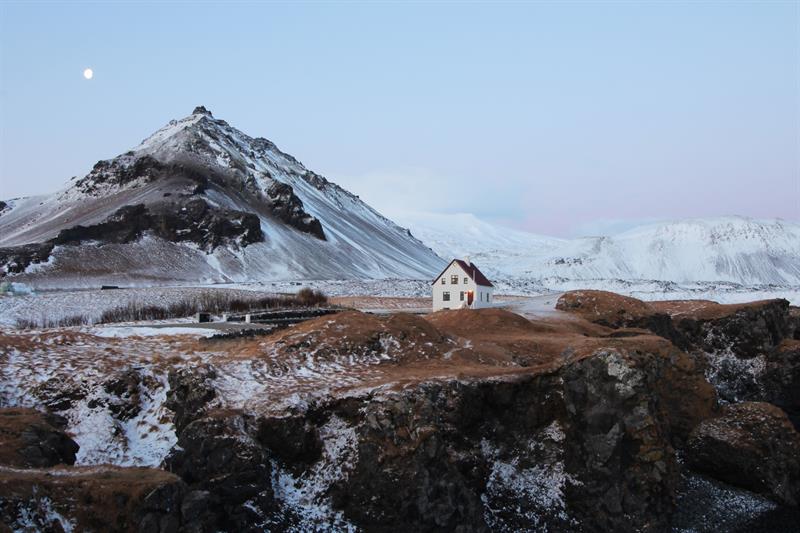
{"points": [[278, 317]]}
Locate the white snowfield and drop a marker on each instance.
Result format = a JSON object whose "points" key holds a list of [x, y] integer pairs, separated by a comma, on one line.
{"points": [[361, 243], [732, 249]]}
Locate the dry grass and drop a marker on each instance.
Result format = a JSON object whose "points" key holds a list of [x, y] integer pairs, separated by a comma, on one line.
{"points": [[212, 302]]}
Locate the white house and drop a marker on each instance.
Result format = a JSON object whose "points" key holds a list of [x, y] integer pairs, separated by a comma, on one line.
{"points": [[462, 285]]}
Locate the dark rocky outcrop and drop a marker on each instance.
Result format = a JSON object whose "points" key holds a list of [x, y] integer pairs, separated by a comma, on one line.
{"points": [[31, 439], [752, 445], [283, 203], [746, 330], [531, 426], [619, 441], [127, 224], [587, 445], [16, 259], [125, 391], [190, 393], [288, 207], [190, 219], [184, 220], [782, 379], [227, 470], [292, 439], [131, 170], [745, 350], [96, 498], [201, 110], [197, 221]]}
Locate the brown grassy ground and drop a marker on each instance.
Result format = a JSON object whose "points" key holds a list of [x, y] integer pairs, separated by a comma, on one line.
{"points": [[332, 355], [610, 308], [701, 309], [381, 302]]}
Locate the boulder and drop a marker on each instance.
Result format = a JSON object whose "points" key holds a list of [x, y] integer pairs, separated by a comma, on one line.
{"points": [[618, 443], [15, 259], [752, 445], [746, 330], [782, 379], [190, 393], [226, 468], [29, 438]]}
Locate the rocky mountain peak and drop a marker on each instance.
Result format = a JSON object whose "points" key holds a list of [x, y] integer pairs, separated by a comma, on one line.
{"points": [[201, 110], [199, 186]]}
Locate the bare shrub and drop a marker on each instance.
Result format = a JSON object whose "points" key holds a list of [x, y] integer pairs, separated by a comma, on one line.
{"points": [[74, 320], [310, 298], [215, 302], [26, 323], [45, 322]]}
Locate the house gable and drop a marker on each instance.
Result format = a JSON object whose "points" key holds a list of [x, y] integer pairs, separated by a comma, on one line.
{"points": [[470, 270]]}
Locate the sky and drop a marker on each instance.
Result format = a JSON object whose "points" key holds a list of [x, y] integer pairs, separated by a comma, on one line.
{"points": [[565, 118]]}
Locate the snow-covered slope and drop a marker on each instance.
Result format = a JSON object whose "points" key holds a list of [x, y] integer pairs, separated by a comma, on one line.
{"points": [[731, 249], [462, 234], [205, 188]]}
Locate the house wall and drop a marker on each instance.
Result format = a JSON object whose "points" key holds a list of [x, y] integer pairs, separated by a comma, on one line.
{"points": [[483, 296]]}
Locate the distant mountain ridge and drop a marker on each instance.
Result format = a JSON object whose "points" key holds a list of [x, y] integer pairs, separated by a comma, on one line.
{"points": [[199, 200], [731, 249]]}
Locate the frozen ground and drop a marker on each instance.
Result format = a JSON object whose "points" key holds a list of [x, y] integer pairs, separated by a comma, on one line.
{"points": [[385, 294]]}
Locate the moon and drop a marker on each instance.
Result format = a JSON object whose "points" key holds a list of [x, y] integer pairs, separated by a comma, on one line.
{"points": [[88, 73]]}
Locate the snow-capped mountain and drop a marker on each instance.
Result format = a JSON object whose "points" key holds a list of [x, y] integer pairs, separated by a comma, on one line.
{"points": [[729, 249], [201, 201]]}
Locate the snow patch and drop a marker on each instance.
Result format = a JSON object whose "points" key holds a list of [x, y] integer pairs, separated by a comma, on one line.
{"points": [[306, 495]]}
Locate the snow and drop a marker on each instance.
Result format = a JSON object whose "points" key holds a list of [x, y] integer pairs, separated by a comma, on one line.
{"points": [[143, 331], [157, 139], [541, 295], [533, 488], [726, 249], [306, 494], [707, 505], [40, 515], [57, 304], [74, 368]]}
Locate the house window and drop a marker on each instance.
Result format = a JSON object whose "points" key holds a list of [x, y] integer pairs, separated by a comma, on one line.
{"points": [[443, 280], [487, 296], [465, 281], [454, 279], [480, 295], [461, 296], [446, 296]]}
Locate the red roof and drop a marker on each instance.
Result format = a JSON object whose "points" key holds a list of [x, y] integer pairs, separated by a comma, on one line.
{"points": [[471, 270]]}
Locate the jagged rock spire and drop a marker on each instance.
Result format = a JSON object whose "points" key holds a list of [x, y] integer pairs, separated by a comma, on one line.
{"points": [[201, 110]]}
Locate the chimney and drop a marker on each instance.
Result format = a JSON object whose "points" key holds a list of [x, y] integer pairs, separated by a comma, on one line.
{"points": [[466, 260]]}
